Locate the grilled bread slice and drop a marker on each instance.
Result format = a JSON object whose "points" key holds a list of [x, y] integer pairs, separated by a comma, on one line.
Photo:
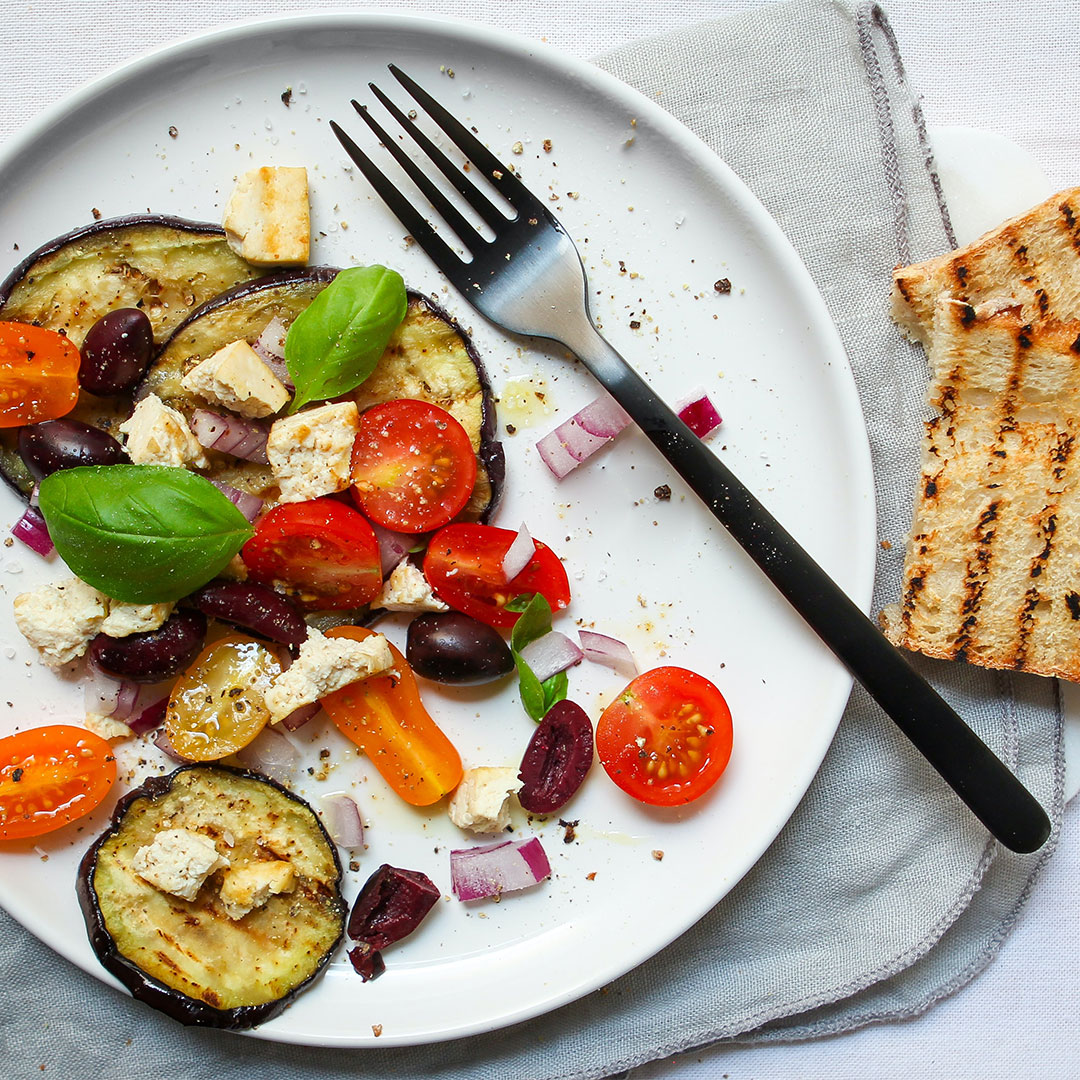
{"points": [[991, 569], [1031, 261]]}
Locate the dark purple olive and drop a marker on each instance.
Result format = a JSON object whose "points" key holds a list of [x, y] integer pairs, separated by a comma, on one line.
{"points": [[449, 647], [559, 755], [391, 905], [64, 444], [367, 962], [255, 607], [116, 352], [152, 656]]}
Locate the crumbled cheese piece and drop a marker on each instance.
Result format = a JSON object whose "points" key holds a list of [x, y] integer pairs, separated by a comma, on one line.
{"points": [[310, 453], [236, 378], [323, 666], [406, 589], [158, 434], [106, 727], [61, 620], [268, 218], [125, 619], [234, 570], [245, 888], [178, 862], [481, 802]]}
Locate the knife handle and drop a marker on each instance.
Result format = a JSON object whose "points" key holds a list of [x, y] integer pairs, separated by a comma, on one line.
{"points": [[996, 797]]}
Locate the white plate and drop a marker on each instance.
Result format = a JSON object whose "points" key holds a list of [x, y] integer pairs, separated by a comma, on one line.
{"points": [[659, 219]]}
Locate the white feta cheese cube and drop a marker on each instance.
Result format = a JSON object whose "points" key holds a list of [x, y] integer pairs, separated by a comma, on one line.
{"points": [[481, 802], [106, 727], [245, 888], [310, 453], [323, 666], [125, 619], [158, 434], [236, 378], [268, 218], [178, 861], [406, 589], [61, 620]]}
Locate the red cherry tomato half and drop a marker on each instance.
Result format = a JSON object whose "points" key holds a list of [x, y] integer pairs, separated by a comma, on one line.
{"points": [[666, 739], [464, 566], [39, 374], [323, 550], [413, 466], [51, 776]]}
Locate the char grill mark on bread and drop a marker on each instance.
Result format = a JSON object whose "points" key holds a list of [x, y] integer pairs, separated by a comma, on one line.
{"points": [[990, 573]]}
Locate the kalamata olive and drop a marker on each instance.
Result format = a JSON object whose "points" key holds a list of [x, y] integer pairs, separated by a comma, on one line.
{"points": [[391, 905], [449, 647], [559, 755], [253, 606], [64, 444], [116, 352], [152, 656]]}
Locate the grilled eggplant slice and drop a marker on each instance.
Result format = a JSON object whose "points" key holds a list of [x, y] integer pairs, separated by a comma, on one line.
{"points": [[430, 357], [189, 958], [163, 265]]}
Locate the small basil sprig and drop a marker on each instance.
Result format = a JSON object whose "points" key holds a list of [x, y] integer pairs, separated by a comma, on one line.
{"points": [[334, 344], [536, 696], [144, 534]]}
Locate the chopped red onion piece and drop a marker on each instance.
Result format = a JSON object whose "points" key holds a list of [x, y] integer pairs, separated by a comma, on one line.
{"points": [[151, 717], [555, 456], [33, 532], [270, 752], [164, 744], [298, 717], [393, 546], [518, 554], [550, 654], [601, 649], [249, 505], [343, 823], [127, 699], [234, 435], [101, 694], [271, 342], [582, 435], [700, 415], [479, 872], [604, 418]]}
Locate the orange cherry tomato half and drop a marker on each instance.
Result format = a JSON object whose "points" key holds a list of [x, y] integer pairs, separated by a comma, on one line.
{"points": [[323, 550], [464, 564], [666, 739], [413, 466], [39, 374], [384, 716], [51, 776]]}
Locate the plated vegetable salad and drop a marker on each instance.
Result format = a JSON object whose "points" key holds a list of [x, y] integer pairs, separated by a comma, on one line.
{"points": [[244, 470]]}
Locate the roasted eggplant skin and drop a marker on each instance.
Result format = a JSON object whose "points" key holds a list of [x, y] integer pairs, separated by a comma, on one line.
{"points": [[144, 987], [162, 265]]}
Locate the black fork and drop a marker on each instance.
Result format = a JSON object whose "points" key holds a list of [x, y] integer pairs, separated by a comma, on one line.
{"points": [[529, 279]]}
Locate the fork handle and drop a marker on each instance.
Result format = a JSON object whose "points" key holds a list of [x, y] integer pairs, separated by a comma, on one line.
{"points": [[991, 791]]}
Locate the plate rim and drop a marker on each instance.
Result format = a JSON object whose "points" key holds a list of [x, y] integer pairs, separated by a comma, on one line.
{"points": [[568, 65]]}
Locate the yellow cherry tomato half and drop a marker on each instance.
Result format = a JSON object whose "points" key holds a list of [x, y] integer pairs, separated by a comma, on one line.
{"points": [[39, 374]]}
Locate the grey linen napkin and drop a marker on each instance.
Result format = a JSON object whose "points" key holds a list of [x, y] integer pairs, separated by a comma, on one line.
{"points": [[882, 894]]}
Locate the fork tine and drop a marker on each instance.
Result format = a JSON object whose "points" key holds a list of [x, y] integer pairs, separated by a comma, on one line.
{"points": [[451, 215], [466, 188], [516, 193], [435, 246]]}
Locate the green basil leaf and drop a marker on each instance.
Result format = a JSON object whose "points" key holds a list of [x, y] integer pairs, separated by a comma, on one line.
{"points": [[530, 689], [534, 622], [519, 602], [144, 534], [334, 344], [555, 689]]}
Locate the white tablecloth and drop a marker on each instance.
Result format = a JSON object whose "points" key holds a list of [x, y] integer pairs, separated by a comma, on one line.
{"points": [[1007, 67]]}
